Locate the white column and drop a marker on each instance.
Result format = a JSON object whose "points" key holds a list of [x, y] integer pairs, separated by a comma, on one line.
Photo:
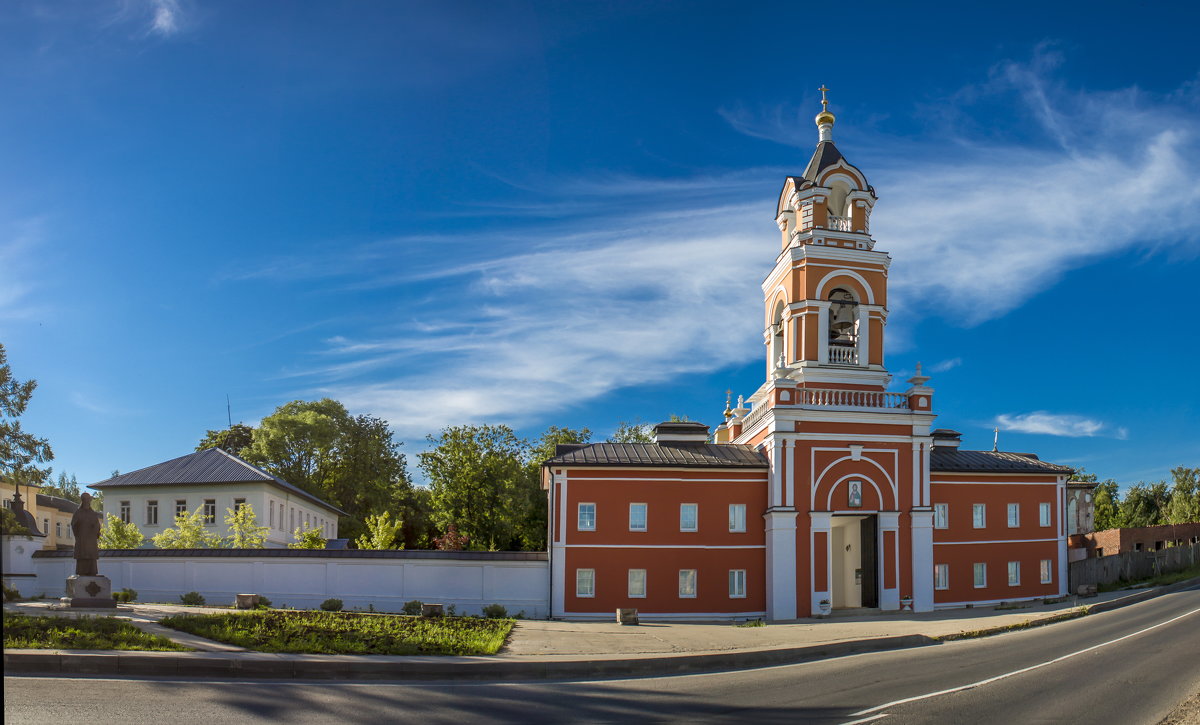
{"points": [[776, 494], [822, 522], [922, 561], [1063, 565], [558, 549], [781, 564], [789, 480], [864, 335], [823, 334], [889, 521]]}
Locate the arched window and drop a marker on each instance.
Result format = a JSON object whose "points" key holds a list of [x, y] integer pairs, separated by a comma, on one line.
{"points": [[843, 318], [838, 193], [777, 335]]}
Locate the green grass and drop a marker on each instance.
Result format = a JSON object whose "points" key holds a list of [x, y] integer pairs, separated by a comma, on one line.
{"points": [[45, 632], [348, 632], [1158, 581], [752, 623]]}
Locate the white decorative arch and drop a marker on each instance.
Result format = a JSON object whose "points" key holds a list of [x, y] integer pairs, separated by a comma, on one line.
{"points": [[845, 273], [834, 487], [886, 476], [841, 167]]}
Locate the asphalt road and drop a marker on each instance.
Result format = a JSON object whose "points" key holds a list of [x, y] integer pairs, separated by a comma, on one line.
{"points": [[1129, 666]]}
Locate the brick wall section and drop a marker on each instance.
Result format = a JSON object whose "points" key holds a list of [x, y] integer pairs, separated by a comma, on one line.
{"points": [[1119, 541]]}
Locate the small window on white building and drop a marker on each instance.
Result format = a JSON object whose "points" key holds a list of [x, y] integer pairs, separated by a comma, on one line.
{"points": [[637, 583], [271, 513], [210, 511], [1043, 514], [941, 515], [687, 583], [737, 583], [292, 518], [1047, 571], [688, 514], [238, 503], [637, 517], [585, 582], [941, 576], [58, 529], [180, 506], [125, 512], [587, 517], [980, 575], [1014, 515], [737, 517], [979, 515], [152, 513], [1014, 573]]}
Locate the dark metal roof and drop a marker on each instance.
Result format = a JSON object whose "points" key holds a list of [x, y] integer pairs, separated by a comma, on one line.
{"points": [[301, 553], [57, 502], [825, 156], [952, 459], [210, 466], [682, 454]]}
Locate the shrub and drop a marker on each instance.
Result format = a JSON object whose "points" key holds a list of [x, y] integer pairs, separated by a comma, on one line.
{"points": [[495, 611], [332, 605], [11, 594], [413, 607], [451, 611], [194, 599], [125, 595], [263, 602]]}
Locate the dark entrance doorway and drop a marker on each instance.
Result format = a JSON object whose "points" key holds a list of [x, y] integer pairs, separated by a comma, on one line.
{"points": [[868, 530]]}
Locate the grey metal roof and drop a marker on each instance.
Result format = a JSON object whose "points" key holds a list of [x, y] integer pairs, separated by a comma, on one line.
{"points": [[952, 459], [825, 156], [57, 502], [210, 466], [682, 454]]}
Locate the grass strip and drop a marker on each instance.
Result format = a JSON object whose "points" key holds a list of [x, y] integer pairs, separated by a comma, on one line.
{"points": [[1029, 624], [1158, 581], [22, 631], [347, 632]]}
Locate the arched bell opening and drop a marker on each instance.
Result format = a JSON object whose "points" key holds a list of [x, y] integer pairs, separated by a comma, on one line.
{"points": [[843, 318], [777, 336]]}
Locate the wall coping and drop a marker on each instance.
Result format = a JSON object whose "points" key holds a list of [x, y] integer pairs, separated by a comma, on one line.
{"points": [[333, 554]]}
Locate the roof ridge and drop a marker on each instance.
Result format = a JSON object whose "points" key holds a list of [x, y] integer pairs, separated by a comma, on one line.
{"points": [[251, 466]]}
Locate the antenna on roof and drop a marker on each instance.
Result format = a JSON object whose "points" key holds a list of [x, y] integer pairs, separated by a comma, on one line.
{"points": [[228, 411], [995, 439]]}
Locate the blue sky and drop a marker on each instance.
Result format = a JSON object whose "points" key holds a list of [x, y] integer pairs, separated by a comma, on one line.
{"points": [[560, 213]]}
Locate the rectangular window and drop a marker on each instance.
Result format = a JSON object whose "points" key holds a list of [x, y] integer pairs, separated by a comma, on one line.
{"points": [[125, 512], [688, 513], [980, 576], [238, 503], [687, 583], [979, 515], [637, 517], [1043, 514], [941, 576], [210, 510], [58, 529], [941, 515], [587, 517], [737, 583], [585, 582], [737, 517], [1014, 573], [1014, 515], [637, 583], [152, 513], [271, 513], [180, 506], [292, 518], [1047, 572]]}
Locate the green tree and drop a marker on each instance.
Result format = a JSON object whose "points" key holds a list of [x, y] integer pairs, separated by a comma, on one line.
{"points": [[20, 451], [233, 439], [635, 432], [116, 534], [1184, 504], [307, 539], [382, 533], [9, 524], [64, 487], [533, 526], [244, 531], [1106, 500], [1145, 504], [298, 442], [189, 532], [476, 474]]}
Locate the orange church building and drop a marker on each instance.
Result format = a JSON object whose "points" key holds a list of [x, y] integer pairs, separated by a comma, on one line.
{"points": [[820, 491]]}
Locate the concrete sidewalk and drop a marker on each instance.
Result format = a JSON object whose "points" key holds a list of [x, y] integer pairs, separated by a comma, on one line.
{"points": [[566, 650]]}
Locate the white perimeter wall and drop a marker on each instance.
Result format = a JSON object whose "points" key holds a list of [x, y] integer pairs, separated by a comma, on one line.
{"points": [[305, 582]]}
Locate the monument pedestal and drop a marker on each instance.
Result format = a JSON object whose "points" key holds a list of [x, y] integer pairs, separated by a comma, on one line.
{"points": [[91, 592]]}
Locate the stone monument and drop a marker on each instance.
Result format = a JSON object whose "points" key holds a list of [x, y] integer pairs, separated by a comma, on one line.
{"points": [[87, 588]]}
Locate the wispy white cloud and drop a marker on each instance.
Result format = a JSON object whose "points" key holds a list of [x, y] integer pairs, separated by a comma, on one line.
{"points": [[1058, 424], [945, 365], [166, 17], [19, 246]]}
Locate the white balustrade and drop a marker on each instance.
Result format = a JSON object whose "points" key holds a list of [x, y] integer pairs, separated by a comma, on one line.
{"points": [[830, 398], [840, 355], [839, 223]]}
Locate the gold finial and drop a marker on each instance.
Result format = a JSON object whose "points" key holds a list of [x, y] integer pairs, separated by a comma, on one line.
{"points": [[824, 116], [728, 411], [824, 101]]}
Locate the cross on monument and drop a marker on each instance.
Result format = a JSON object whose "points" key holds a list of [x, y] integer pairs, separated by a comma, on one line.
{"points": [[824, 101]]}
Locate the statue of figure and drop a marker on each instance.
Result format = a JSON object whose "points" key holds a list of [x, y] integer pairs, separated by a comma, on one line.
{"points": [[85, 524]]}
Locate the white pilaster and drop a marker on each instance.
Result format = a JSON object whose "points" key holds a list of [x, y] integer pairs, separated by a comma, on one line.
{"points": [[789, 476], [781, 564], [822, 522], [922, 560], [889, 598], [823, 334], [864, 335]]}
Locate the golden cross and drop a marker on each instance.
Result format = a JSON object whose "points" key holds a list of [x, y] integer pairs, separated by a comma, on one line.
{"points": [[824, 102]]}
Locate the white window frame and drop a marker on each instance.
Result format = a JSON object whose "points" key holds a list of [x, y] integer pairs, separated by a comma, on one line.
{"points": [[737, 518], [152, 513], [941, 516], [976, 569], [1043, 514], [271, 513], [645, 516], [588, 577], [1014, 515], [687, 583], [126, 512], [58, 529], [737, 583], [695, 509], [1014, 573], [941, 576], [979, 515], [210, 511], [635, 579], [238, 503], [181, 506], [1047, 569], [590, 524]]}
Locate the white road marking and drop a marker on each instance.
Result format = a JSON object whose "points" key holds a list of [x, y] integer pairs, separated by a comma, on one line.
{"points": [[1006, 675], [866, 719]]}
